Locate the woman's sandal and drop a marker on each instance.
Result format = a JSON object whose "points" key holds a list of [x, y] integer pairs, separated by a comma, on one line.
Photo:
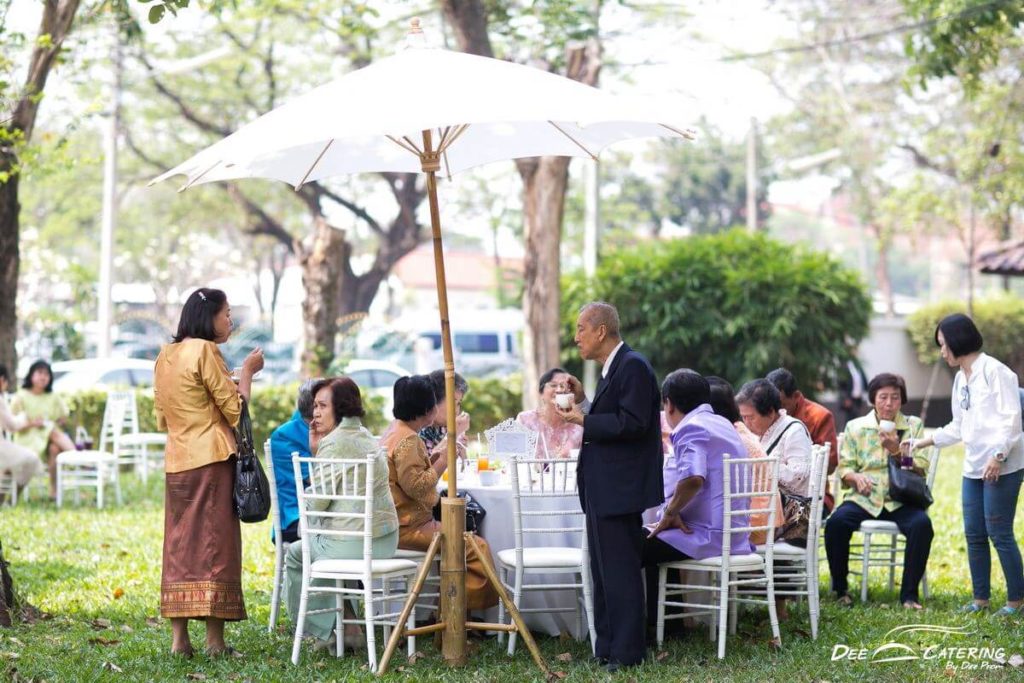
{"points": [[184, 654], [911, 604], [972, 608], [1007, 611], [226, 651], [844, 600]]}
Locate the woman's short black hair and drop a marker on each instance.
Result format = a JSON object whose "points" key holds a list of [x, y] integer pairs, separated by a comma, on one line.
{"points": [[961, 334], [437, 379], [890, 381], [197, 315], [38, 365], [762, 395], [345, 398], [723, 399], [3, 372], [547, 376], [414, 397], [685, 389]]}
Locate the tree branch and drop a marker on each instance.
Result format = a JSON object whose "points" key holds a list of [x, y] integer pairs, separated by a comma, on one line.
{"points": [[921, 160], [260, 222]]}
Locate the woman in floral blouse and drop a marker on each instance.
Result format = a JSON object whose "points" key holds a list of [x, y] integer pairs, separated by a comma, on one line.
{"points": [[864, 472]]}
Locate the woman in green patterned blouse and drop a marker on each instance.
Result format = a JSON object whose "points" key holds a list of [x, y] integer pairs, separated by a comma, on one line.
{"points": [[868, 443], [337, 431]]}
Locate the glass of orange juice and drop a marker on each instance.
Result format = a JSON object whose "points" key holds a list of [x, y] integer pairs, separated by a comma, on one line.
{"points": [[444, 476], [483, 464]]}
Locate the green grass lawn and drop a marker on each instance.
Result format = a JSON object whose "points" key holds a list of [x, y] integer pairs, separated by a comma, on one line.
{"points": [[98, 574]]}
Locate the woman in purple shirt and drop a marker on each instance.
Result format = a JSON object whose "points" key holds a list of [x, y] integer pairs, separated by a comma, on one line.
{"points": [[690, 521]]}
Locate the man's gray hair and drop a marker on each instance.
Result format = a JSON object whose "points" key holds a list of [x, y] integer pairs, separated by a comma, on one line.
{"points": [[304, 404], [602, 313]]}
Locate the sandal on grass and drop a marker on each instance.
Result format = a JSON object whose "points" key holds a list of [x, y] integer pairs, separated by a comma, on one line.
{"points": [[844, 600], [226, 651], [1007, 611], [972, 608], [184, 654], [912, 604]]}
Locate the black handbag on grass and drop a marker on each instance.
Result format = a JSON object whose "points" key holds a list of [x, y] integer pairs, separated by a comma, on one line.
{"points": [[908, 487], [252, 488]]}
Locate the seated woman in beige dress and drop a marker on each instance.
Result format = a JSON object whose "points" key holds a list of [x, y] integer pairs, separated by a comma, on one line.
{"points": [[413, 479]]}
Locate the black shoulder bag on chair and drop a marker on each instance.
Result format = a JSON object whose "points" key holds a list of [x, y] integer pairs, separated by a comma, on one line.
{"points": [[475, 512], [796, 510], [908, 487], [252, 488]]}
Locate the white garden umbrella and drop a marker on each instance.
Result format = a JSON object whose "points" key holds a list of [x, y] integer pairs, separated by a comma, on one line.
{"points": [[433, 110]]}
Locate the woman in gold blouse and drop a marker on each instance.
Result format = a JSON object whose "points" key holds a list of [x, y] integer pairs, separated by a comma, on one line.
{"points": [[197, 404], [413, 478]]}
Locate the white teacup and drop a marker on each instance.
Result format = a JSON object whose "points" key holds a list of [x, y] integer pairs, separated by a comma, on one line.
{"points": [[564, 401], [887, 426], [488, 478]]}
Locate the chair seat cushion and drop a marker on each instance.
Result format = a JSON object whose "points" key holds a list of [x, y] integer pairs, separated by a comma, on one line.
{"points": [[784, 549], [752, 561], [390, 566], [84, 457], [879, 526], [146, 438], [405, 554], [543, 557]]}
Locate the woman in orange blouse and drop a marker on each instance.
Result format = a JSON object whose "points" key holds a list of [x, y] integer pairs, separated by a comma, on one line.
{"points": [[413, 478], [197, 404]]}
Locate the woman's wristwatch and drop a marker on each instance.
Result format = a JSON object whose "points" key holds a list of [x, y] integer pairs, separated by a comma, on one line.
{"points": [[999, 457]]}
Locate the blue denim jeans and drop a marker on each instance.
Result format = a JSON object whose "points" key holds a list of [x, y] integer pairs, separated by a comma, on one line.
{"points": [[989, 509]]}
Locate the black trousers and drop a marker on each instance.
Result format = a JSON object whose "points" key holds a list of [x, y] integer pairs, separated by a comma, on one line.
{"points": [[913, 523], [655, 552], [616, 546]]}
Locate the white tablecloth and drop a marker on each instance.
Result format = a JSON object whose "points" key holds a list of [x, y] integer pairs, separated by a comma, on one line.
{"points": [[498, 529]]}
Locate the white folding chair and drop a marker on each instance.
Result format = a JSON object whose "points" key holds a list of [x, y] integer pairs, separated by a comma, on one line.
{"points": [[280, 547], [134, 447], [94, 468], [509, 439], [743, 480], [8, 488], [796, 568], [545, 502], [890, 555], [337, 480]]}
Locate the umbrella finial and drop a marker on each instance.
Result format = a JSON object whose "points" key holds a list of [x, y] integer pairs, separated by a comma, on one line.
{"points": [[415, 38]]}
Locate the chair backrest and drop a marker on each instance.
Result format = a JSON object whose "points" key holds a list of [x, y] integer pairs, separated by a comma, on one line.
{"points": [[333, 480], [743, 481], [117, 418], [816, 492], [551, 505], [509, 439], [113, 421], [275, 511]]}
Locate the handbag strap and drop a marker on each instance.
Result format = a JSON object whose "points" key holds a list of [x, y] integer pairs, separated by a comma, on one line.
{"points": [[244, 431], [779, 437]]}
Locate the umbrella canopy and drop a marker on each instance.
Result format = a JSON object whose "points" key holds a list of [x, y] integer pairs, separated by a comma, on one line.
{"points": [[372, 120]]}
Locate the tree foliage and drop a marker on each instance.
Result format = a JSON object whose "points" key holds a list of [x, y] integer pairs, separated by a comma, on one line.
{"points": [[961, 38], [1000, 319], [732, 304]]}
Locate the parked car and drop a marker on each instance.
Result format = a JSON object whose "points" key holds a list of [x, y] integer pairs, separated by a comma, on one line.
{"points": [[377, 378], [102, 373]]}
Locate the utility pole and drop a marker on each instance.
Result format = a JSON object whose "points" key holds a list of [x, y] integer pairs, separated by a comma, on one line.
{"points": [[109, 216], [752, 176], [591, 226]]}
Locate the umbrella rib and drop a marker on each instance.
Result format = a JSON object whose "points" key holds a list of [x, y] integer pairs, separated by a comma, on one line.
{"points": [[575, 141], [688, 134], [198, 177], [413, 145], [403, 145], [317, 161], [449, 141]]}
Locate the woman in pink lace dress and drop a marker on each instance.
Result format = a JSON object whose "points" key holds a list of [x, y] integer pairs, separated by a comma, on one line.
{"points": [[556, 437]]}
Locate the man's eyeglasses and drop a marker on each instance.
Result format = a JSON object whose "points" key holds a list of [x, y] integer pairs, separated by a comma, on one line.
{"points": [[965, 398]]}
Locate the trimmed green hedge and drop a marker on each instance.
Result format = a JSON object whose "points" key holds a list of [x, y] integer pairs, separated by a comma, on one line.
{"points": [[271, 406], [492, 400], [1000, 319]]}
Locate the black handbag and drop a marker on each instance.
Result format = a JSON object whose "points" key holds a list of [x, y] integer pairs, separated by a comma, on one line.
{"points": [[475, 512], [252, 488], [908, 487]]}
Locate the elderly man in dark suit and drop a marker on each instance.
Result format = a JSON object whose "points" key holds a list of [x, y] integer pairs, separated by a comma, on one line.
{"points": [[619, 476]]}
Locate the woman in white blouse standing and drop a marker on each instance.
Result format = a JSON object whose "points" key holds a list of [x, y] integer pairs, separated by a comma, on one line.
{"points": [[987, 418]]}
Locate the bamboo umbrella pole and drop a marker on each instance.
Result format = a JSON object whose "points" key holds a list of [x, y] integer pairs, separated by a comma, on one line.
{"points": [[453, 509]]}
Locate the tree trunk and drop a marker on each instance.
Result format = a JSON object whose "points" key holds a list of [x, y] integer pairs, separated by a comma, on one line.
{"points": [[544, 185], [10, 261], [882, 277], [321, 268], [54, 27]]}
